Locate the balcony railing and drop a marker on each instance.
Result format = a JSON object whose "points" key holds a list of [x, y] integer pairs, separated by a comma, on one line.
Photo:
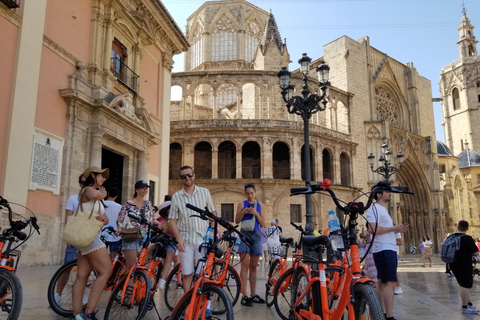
{"points": [[124, 74], [11, 3]]}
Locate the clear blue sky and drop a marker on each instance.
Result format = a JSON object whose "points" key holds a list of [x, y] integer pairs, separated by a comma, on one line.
{"points": [[420, 31]]}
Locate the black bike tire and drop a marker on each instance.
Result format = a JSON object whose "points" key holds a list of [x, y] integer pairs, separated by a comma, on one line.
{"points": [[171, 298], [279, 304], [232, 285], [270, 286], [15, 287], [137, 274], [365, 295], [181, 307], [62, 311]]}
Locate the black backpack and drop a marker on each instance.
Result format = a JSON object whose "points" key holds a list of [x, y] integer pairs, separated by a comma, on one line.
{"points": [[449, 247]]}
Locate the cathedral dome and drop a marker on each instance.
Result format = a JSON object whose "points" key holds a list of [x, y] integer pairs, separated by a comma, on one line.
{"points": [[468, 158], [443, 150]]}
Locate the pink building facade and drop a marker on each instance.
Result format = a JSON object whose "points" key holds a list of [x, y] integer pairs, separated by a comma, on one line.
{"points": [[81, 84]]}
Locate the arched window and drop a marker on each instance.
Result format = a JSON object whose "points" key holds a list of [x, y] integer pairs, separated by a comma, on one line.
{"points": [[281, 161], [387, 105], [251, 168], [203, 160], [312, 164], [175, 160], [204, 95], [196, 51], [344, 169], [327, 165], [227, 163], [224, 41], [252, 38], [227, 101], [456, 99]]}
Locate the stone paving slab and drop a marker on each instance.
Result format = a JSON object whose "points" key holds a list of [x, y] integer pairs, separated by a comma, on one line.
{"points": [[428, 294]]}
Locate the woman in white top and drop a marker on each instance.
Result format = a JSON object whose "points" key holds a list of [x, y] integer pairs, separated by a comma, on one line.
{"points": [[95, 255], [427, 250]]}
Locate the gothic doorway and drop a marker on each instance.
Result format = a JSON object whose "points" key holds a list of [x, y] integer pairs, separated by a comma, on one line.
{"points": [[114, 162]]}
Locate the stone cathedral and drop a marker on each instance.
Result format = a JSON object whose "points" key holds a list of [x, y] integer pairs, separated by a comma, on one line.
{"points": [[459, 159], [233, 126]]}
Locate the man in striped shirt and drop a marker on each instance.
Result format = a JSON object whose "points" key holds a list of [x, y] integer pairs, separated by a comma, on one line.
{"points": [[188, 231]]}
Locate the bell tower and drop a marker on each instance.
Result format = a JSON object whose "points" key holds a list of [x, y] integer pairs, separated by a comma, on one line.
{"points": [[467, 42]]}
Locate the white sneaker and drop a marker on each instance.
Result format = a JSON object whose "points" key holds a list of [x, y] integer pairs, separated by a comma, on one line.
{"points": [[473, 308], [398, 290], [58, 298], [469, 309], [161, 284]]}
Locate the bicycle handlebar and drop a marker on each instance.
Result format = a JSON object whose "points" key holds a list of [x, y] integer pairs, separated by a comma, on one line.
{"points": [[143, 220], [358, 207], [16, 226], [206, 214]]}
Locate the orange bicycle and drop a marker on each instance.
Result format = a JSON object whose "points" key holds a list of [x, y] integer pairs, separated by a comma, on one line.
{"points": [[11, 294], [134, 294], [345, 290], [207, 294], [59, 291]]}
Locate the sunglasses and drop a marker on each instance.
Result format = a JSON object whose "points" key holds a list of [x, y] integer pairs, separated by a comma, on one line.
{"points": [[248, 185], [184, 176]]}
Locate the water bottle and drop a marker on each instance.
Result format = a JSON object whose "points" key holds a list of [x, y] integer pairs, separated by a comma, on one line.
{"points": [[334, 231], [207, 240], [236, 245]]}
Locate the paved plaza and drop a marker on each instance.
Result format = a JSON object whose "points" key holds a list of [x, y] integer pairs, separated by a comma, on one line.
{"points": [[428, 294]]}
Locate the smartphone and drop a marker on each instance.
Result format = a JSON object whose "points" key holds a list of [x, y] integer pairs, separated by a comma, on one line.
{"points": [[250, 206]]}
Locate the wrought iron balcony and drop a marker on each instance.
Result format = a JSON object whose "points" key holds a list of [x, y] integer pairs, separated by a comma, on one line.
{"points": [[11, 3], [124, 74]]}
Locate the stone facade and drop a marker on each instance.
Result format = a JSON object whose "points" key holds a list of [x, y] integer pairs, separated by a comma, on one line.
{"points": [[232, 118], [460, 93]]}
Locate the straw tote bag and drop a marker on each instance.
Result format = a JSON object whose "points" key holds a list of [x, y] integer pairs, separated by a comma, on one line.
{"points": [[81, 227]]}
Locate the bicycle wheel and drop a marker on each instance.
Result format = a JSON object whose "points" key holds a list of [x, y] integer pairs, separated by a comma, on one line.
{"points": [[232, 285], [133, 306], [367, 305], [299, 286], [273, 275], [173, 287], [282, 294], [218, 300], [11, 295], [59, 291]]}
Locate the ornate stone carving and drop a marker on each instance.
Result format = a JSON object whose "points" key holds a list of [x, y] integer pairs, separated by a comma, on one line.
{"points": [[373, 133], [124, 104], [387, 106]]}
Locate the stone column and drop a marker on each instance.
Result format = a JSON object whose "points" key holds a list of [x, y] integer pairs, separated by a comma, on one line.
{"points": [[214, 110], [164, 113], [239, 162], [266, 159], [142, 164], [96, 149], [107, 48], [23, 103], [188, 155], [296, 163], [214, 162]]}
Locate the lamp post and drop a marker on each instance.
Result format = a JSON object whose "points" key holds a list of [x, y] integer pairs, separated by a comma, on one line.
{"points": [[304, 106], [386, 169]]}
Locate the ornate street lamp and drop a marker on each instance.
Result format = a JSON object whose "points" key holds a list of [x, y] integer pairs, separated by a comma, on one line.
{"points": [[304, 106], [386, 169]]}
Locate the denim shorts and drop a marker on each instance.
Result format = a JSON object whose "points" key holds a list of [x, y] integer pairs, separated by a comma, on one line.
{"points": [[70, 254], [114, 246], [135, 245], [256, 238], [386, 263]]}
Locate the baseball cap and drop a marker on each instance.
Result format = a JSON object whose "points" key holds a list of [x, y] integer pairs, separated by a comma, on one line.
{"points": [[94, 169], [141, 184]]}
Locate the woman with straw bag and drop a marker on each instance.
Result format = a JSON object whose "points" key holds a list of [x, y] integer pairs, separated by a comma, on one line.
{"points": [[95, 255]]}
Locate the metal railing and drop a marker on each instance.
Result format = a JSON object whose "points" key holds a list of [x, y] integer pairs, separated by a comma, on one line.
{"points": [[11, 3], [124, 74]]}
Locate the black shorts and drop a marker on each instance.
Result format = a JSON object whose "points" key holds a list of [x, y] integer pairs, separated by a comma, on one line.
{"points": [[463, 272], [386, 263]]}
